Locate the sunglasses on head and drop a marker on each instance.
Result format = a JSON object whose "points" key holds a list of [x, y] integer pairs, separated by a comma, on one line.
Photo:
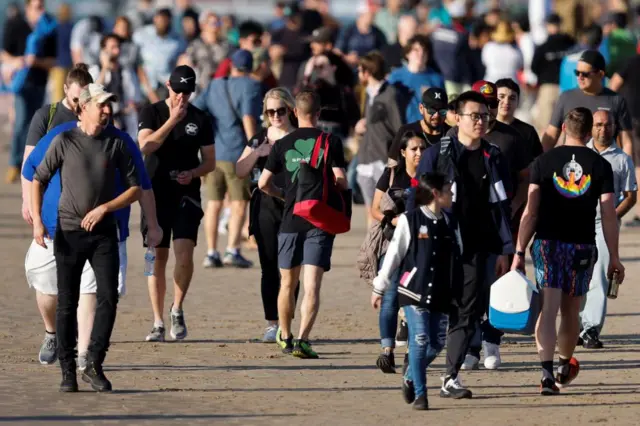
{"points": [[583, 73], [281, 112]]}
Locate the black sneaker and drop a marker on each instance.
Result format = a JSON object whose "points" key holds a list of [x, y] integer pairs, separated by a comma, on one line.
{"points": [[386, 363], [548, 387], [591, 340], [580, 341], [421, 403], [303, 349], [453, 388], [94, 375], [69, 380], [402, 335], [285, 344], [408, 391]]}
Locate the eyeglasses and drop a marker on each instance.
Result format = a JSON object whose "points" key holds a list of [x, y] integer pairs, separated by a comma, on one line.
{"points": [[281, 112], [475, 117], [442, 112], [585, 74], [602, 125]]}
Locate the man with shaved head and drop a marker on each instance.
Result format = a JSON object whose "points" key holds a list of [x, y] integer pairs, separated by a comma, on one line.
{"points": [[625, 188]]}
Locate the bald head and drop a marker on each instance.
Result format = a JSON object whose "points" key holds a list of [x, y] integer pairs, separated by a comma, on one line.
{"points": [[603, 128], [407, 28]]}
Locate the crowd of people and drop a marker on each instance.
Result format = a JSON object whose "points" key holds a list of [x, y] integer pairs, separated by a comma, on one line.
{"points": [[412, 107]]}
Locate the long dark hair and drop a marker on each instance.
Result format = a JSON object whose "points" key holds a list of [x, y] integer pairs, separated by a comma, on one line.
{"points": [[427, 183], [404, 143]]}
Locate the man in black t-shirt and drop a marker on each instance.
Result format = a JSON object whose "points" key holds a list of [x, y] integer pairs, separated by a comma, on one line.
{"points": [[566, 185], [31, 95], [171, 134], [300, 243], [509, 97], [627, 83], [431, 128]]}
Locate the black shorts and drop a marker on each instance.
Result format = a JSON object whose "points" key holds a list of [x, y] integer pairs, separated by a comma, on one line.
{"points": [[179, 218]]}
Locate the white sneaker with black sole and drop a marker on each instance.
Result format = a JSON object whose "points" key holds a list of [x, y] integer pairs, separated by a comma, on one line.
{"points": [[492, 359], [471, 362], [453, 388]]}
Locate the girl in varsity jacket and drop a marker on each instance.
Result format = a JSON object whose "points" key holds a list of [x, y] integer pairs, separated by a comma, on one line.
{"points": [[426, 246]]}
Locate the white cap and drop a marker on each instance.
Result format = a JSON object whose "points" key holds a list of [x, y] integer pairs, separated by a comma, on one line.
{"points": [[95, 92], [457, 8]]}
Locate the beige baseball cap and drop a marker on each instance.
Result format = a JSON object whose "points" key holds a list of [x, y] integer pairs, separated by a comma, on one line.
{"points": [[95, 92]]}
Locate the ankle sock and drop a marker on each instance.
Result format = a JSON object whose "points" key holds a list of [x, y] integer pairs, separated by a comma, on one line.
{"points": [[233, 251], [547, 369], [50, 333], [563, 365], [213, 253], [158, 324]]}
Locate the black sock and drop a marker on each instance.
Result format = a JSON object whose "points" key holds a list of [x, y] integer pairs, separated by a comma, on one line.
{"points": [[563, 361], [547, 369], [50, 332]]}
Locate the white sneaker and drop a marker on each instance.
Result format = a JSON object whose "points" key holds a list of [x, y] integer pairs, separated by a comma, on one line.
{"points": [[453, 388], [270, 334], [470, 363], [491, 356]]}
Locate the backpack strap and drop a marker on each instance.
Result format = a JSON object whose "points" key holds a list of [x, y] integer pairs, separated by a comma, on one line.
{"points": [[444, 157], [392, 176], [52, 112]]}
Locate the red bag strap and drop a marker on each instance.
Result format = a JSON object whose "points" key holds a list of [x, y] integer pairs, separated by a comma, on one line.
{"points": [[316, 151]]}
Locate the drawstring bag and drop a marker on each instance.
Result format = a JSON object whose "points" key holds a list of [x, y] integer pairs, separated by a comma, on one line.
{"points": [[319, 200]]}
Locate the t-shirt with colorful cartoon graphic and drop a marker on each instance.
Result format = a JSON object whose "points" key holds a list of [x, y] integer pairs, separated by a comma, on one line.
{"points": [[571, 181], [286, 155]]}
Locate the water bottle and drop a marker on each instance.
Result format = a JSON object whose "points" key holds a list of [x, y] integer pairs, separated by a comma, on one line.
{"points": [[149, 261]]}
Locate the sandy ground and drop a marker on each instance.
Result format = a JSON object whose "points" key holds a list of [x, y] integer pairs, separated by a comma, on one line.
{"points": [[222, 375]]}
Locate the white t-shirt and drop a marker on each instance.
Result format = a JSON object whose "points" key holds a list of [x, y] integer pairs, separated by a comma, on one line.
{"points": [[501, 60]]}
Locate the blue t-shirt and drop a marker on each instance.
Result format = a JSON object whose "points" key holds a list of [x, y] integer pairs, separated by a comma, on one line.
{"points": [[246, 96], [52, 193], [417, 84]]}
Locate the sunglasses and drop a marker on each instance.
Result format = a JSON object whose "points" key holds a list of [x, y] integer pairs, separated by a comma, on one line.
{"points": [[431, 111], [281, 112], [182, 91], [584, 74]]}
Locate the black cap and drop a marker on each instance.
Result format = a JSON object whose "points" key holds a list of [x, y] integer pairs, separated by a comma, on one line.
{"points": [[183, 79], [435, 97], [554, 19], [321, 35], [593, 58]]}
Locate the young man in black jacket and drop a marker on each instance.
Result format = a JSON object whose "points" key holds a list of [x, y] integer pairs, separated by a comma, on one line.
{"points": [[481, 206]]}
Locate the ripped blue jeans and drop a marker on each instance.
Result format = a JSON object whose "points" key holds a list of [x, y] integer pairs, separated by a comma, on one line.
{"points": [[427, 337]]}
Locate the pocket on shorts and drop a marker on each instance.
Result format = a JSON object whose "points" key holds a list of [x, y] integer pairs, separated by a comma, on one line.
{"points": [[192, 207], [583, 259]]}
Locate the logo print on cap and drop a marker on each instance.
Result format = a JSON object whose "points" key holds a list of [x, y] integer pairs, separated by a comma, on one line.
{"points": [[191, 129], [437, 95], [185, 79], [486, 89]]}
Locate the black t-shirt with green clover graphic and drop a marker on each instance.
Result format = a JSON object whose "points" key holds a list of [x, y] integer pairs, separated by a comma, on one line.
{"points": [[285, 156]]}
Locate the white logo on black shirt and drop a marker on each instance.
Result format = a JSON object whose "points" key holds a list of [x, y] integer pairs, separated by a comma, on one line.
{"points": [[191, 129]]}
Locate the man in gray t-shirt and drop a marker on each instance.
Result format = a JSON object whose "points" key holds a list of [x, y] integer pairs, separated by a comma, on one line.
{"points": [[593, 95], [87, 158]]}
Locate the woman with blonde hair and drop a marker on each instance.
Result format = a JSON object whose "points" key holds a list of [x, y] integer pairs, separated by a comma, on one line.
{"points": [[501, 56], [265, 212]]}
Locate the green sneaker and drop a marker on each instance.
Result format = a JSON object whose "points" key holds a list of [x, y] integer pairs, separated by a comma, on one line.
{"points": [[302, 349], [285, 344]]}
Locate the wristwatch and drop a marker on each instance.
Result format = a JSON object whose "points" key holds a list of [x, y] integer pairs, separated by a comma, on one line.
{"points": [[520, 253]]}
